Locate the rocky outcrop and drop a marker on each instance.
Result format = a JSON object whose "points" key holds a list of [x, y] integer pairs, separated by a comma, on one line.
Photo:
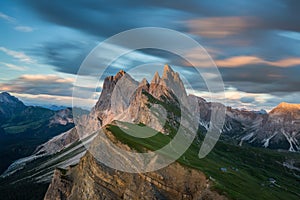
{"points": [[60, 186], [92, 180], [125, 99], [62, 117], [57, 143]]}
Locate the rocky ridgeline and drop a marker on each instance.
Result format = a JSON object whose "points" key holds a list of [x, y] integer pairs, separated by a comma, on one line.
{"points": [[92, 180]]}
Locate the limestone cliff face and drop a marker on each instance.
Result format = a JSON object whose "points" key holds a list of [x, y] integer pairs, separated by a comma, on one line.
{"points": [[125, 99], [60, 186], [91, 180]]}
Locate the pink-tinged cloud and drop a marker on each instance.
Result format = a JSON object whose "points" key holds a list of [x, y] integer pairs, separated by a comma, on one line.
{"points": [[220, 27], [54, 99], [39, 84], [238, 61], [50, 78]]}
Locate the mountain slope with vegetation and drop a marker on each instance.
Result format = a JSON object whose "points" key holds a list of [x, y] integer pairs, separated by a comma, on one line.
{"points": [[23, 128]]}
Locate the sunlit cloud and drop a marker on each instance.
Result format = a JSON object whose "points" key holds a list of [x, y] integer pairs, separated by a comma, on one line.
{"points": [[21, 56], [39, 84], [51, 78], [220, 27], [238, 61], [239, 99], [53, 88], [54, 100]]}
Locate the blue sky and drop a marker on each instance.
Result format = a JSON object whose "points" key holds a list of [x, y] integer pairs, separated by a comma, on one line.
{"points": [[254, 44]]}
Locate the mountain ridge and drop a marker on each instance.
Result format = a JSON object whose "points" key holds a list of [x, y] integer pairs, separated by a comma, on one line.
{"points": [[139, 104]]}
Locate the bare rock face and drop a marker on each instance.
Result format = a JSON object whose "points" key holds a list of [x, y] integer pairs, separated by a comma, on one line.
{"points": [[62, 117], [91, 180], [282, 128], [57, 143], [60, 186], [278, 129], [115, 96], [125, 99]]}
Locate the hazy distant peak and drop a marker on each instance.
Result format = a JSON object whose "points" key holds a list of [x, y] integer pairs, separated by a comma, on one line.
{"points": [[5, 97]]}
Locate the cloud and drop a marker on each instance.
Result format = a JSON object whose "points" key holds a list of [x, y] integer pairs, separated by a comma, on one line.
{"points": [[252, 40], [53, 89], [14, 67], [102, 19], [42, 99], [238, 61], [239, 99], [39, 84], [7, 18], [247, 99], [25, 29], [18, 55], [262, 78], [67, 56], [220, 27], [64, 55]]}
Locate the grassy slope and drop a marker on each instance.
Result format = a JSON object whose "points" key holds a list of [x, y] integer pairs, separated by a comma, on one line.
{"points": [[255, 166]]}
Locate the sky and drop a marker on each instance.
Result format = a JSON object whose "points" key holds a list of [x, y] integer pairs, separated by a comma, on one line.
{"points": [[255, 45]]}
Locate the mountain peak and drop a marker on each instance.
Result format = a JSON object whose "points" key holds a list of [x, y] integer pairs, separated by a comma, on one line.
{"points": [[120, 74], [167, 72], [156, 78], [5, 97], [285, 107], [167, 68], [144, 82]]}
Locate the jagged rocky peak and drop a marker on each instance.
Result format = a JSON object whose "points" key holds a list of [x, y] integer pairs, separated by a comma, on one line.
{"points": [[126, 82], [144, 84], [156, 78], [167, 71], [119, 75]]}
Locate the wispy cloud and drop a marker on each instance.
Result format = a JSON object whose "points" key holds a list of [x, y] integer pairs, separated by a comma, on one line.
{"points": [[220, 27], [14, 67], [39, 84], [51, 78], [18, 55], [238, 61], [51, 89], [25, 29], [7, 18]]}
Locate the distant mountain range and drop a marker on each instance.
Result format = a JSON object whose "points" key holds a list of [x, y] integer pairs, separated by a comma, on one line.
{"points": [[236, 168], [23, 128]]}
